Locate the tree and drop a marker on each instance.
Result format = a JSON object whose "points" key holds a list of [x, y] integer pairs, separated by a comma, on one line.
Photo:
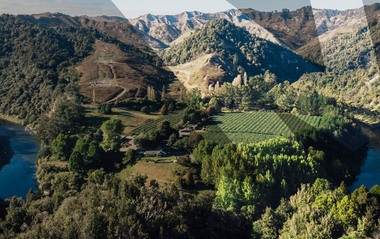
{"points": [[76, 163], [193, 140], [215, 105], [130, 156], [180, 144], [86, 154], [346, 212], [31, 196], [62, 147], [209, 111], [112, 129], [108, 109], [189, 179], [145, 109], [164, 129], [155, 136], [164, 110], [172, 140], [66, 118], [15, 214], [194, 115], [284, 102], [142, 141], [204, 149]]}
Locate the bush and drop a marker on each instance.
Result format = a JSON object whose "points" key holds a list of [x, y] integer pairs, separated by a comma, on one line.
{"points": [[145, 110]]}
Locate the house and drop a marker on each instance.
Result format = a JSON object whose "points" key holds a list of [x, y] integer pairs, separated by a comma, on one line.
{"points": [[164, 148], [184, 132], [191, 127], [140, 152], [155, 153]]}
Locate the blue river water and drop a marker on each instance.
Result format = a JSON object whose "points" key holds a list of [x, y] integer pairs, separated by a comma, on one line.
{"points": [[19, 175], [370, 170]]}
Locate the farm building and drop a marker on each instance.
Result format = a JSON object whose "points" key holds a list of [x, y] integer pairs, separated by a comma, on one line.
{"points": [[191, 127], [184, 132], [155, 153]]}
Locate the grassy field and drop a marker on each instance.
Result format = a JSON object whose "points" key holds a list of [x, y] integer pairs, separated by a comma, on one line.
{"points": [[145, 128], [161, 172], [160, 158], [131, 119], [253, 127]]}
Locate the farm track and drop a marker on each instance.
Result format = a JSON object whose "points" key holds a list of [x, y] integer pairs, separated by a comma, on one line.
{"points": [[114, 77]]}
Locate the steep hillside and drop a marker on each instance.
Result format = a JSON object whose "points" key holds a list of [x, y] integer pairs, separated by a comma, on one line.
{"points": [[36, 65], [110, 26], [373, 18], [300, 29], [205, 72], [329, 20], [239, 49], [352, 74], [112, 72], [349, 49], [135, 66], [51, 56], [296, 29]]}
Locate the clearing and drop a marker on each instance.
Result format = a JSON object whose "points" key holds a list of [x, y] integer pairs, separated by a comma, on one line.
{"points": [[130, 119], [161, 172]]}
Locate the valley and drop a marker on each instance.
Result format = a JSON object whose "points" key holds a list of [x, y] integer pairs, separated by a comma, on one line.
{"points": [[236, 124]]}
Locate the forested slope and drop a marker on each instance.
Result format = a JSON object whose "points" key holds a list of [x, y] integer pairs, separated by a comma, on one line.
{"points": [[254, 55], [36, 65]]}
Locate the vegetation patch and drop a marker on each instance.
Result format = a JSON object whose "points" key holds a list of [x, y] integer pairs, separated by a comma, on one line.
{"points": [[130, 119], [145, 128]]}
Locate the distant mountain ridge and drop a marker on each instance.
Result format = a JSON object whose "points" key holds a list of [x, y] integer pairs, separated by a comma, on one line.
{"points": [[167, 28], [113, 26], [299, 30]]}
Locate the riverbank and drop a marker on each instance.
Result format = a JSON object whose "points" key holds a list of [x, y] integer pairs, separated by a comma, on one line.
{"points": [[5, 119]]}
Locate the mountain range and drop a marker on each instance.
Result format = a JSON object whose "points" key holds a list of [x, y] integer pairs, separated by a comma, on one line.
{"points": [[204, 51], [314, 34]]}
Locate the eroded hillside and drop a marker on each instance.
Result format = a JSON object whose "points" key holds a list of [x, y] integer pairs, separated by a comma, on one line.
{"points": [[110, 74]]}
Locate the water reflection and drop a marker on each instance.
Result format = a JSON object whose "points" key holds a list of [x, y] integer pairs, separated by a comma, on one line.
{"points": [[370, 171], [17, 177]]}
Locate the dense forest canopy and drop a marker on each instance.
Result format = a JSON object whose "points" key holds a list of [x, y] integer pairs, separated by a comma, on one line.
{"points": [[36, 65]]}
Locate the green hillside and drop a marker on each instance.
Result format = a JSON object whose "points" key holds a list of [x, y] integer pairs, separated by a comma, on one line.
{"points": [[253, 54], [37, 64], [351, 70]]}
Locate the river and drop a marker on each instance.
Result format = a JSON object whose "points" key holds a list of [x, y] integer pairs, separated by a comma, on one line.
{"points": [[19, 175], [370, 170]]}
